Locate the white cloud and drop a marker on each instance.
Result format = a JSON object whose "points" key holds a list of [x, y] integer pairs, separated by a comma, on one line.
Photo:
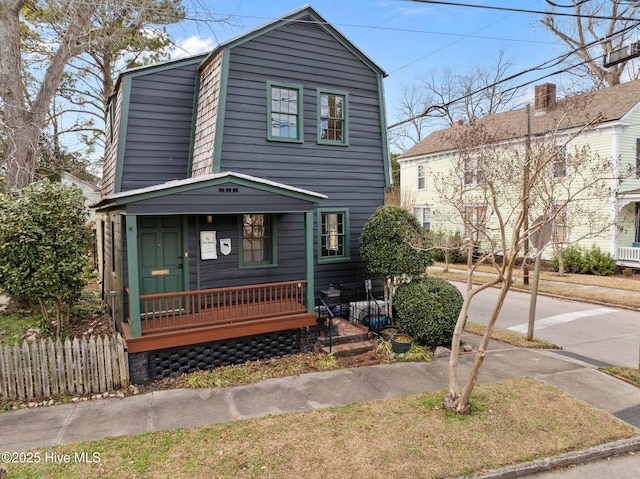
{"points": [[193, 45]]}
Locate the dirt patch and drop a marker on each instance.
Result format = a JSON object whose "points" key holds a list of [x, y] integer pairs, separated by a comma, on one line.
{"points": [[364, 359]]}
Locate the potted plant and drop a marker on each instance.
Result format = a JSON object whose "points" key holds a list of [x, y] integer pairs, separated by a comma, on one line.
{"points": [[401, 343], [388, 331]]}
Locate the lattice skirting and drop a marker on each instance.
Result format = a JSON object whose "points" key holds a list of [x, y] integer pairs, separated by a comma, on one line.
{"points": [[150, 366]]}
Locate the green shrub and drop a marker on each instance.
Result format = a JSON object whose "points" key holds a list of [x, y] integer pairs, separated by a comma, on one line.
{"points": [[580, 260], [446, 243], [43, 240], [394, 244], [428, 309], [598, 263], [572, 259]]}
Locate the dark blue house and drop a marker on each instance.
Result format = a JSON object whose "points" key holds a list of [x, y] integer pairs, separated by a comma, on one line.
{"points": [[235, 188]]}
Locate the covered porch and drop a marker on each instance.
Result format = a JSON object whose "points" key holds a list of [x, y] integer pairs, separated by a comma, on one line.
{"points": [[628, 222], [212, 258], [183, 318]]}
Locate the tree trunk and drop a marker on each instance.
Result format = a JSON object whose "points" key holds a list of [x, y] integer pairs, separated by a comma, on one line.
{"points": [[462, 405], [22, 122]]}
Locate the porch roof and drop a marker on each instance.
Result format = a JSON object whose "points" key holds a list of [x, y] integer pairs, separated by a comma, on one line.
{"points": [[208, 192], [626, 197]]}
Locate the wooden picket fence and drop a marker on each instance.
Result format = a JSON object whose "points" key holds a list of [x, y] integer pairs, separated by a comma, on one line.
{"points": [[46, 368]]}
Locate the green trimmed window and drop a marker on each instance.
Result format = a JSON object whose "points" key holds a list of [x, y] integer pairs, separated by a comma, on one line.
{"points": [[334, 235], [333, 124], [284, 112], [258, 240]]}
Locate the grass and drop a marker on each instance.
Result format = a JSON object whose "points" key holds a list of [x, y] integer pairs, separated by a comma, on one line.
{"points": [[631, 375], [458, 273], [509, 337], [412, 436], [14, 325]]}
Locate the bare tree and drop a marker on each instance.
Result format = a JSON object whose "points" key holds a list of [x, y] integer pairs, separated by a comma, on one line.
{"points": [[68, 29], [446, 96], [494, 187], [598, 27]]}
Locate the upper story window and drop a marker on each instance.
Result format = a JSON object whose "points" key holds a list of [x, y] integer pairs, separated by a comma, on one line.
{"points": [[333, 124], [258, 244], [559, 162], [473, 170], [334, 235], [422, 177], [284, 104]]}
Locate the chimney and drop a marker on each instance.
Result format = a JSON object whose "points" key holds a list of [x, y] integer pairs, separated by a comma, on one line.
{"points": [[545, 97], [458, 123]]}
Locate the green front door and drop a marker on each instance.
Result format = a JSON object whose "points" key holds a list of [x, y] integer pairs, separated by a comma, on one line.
{"points": [[160, 254]]}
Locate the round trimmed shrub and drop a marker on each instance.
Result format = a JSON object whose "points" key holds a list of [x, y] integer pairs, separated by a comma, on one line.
{"points": [[427, 309]]}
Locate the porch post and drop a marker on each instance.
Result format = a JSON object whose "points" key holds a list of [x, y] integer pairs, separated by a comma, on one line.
{"points": [[308, 254], [132, 272]]}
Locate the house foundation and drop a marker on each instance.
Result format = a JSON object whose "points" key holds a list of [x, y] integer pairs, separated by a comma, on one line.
{"points": [[148, 366]]}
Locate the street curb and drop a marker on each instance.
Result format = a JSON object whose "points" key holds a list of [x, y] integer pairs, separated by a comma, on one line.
{"points": [[596, 453]]}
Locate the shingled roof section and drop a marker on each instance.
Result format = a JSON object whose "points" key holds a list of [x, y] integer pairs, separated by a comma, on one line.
{"points": [[607, 104]]}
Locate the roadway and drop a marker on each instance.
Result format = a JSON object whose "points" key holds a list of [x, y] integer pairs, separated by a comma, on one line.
{"points": [[596, 334]]}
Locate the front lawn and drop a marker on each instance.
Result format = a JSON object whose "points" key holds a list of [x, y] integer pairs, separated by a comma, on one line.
{"points": [[512, 422]]}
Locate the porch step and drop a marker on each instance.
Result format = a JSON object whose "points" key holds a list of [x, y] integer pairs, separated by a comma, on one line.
{"points": [[350, 349]]}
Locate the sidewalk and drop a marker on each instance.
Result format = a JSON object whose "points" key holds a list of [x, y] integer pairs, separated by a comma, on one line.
{"points": [[89, 420]]}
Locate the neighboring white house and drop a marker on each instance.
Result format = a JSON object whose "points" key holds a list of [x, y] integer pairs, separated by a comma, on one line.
{"points": [[91, 192], [615, 136]]}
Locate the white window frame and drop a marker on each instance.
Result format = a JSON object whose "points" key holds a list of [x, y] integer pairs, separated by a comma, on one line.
{"points": [[424, 216], [421, 177]]}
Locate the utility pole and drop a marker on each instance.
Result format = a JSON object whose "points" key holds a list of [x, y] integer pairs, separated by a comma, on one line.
{"points": [[525, 192]]}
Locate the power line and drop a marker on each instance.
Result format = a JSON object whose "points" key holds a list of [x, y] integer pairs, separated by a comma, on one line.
{"points": [[522, 10], [548, 63]]}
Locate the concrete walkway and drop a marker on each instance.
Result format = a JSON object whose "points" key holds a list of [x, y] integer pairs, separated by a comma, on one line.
{"points": [[89, 420]]}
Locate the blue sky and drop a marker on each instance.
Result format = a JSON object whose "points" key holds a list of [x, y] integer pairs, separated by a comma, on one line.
{"points": [[406, 39]]}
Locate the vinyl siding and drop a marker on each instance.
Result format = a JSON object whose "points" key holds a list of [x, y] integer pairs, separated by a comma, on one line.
{"points": [[351, 176], [159, 127], [225, 272]]}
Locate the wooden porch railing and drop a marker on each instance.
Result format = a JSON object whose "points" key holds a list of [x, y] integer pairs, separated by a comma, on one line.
{"points": [[191, 309], [629, 254]]}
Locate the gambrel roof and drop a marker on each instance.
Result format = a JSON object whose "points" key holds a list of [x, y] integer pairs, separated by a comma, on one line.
{"points": [[607, 105]]}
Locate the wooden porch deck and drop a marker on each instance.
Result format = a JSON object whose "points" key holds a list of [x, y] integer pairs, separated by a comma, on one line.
{"points": [[179, 319]]}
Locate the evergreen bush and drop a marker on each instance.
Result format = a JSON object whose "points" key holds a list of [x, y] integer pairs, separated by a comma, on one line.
{"points": [[598, 263], [580, 260], [572, 259], [427, 309]]}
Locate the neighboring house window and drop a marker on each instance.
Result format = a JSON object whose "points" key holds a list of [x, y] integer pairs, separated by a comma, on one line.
{"points": [[560, 223], [334, 235], [333, 117], [475, 221], [423, 214], [422, 178], [473, 170], [284, 112], [258, 244], [559, 162]]}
